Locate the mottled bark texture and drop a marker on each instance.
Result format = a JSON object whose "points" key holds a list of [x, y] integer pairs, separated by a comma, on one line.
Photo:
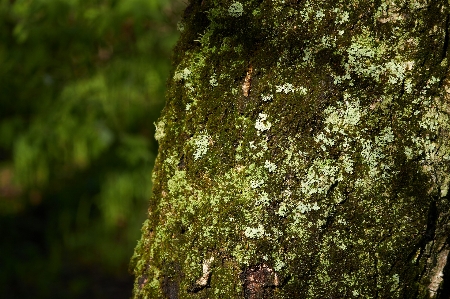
{"points": [[304, 153]]}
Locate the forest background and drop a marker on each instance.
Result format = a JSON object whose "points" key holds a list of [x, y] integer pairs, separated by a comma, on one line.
{"points": [[81, 84]]}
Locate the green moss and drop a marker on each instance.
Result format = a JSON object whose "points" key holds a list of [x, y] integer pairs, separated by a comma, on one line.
{"points": [[236, 9], [324, 172]]}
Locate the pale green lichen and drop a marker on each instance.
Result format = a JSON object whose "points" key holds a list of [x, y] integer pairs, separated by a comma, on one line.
{"points": [[286, 88], [347, 163], [267, 98], [262, 124], [408, 152], [342, 16], [160, 130], [254, 232], [319, 177], [263, 200], [395, 282], [271, 167], [302, 90], [344, 116], [386, 136], [184, 74], [236, 9], [200, 143], [257, 183], [319, 14], [213, 81], [180, 26], [279, 265]]}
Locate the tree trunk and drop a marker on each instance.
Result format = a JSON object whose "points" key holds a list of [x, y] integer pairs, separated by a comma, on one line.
{"points": [[304, 153]]}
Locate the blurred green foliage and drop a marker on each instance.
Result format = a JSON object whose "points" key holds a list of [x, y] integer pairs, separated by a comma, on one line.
{"points": [[81, 83]]}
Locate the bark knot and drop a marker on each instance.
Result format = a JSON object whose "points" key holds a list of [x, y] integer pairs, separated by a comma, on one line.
{"points": [[259, 281]]}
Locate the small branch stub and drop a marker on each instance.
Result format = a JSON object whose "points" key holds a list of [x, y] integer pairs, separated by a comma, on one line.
{"points": [[247, 81], [438, 273], [203, 281]]}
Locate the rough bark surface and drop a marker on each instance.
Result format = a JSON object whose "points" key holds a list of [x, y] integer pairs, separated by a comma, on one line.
{"points": [[304, 153]]}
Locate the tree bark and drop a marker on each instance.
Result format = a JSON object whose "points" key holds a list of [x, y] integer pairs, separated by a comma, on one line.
{"points": [[304, 153]]}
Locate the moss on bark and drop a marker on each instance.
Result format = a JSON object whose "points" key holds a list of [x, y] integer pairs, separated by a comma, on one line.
{"points": [[304, 153]]}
